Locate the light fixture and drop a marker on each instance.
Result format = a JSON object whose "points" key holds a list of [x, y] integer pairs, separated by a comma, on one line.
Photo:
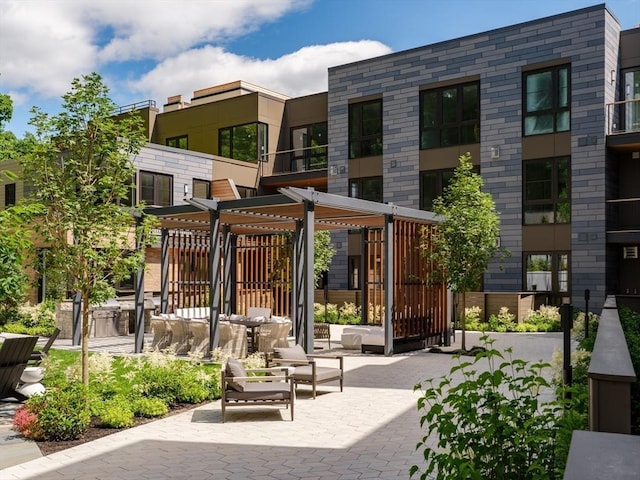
{"points": [[333, 170], [613, 76], [495, 153], [394, 163], [186, 189]]}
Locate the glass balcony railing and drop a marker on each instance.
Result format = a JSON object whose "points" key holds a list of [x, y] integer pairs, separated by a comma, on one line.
{"points": [[135, 106], [623, 117], [623, 215]]}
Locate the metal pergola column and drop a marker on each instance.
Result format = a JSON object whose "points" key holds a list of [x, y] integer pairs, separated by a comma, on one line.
{"points": [[309, 280], [388, 285], [139, 299], [297, 307], [364, 276], [214, 278], [164, 271], [229, 280]]}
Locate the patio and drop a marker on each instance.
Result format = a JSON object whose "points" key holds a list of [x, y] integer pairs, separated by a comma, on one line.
{"points": [[368, 431]]}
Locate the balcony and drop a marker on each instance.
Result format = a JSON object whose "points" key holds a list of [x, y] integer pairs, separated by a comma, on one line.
{"points": [[623, 125], [135, 106], [623, 220]]}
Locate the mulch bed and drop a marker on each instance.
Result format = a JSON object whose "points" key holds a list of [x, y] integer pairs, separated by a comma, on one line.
{"points": [[95, 432]]}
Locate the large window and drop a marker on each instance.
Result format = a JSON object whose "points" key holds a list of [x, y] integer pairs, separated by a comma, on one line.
{"points": [[178, 142], [547, 101], [9, 194], [547, 272], [201, 188], [365, 129], [156, 189], [368, 188], [309, 144], [450, 116], [244, 142], [546, 191]]}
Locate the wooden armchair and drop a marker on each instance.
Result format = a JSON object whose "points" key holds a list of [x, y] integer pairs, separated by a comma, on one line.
{"points": [[240, 389], [15, 353], [306, 371]]}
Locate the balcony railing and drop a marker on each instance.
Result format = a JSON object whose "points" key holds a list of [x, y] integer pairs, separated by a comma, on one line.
{"points": [[623, 214], [623, 117], [135, 106]]}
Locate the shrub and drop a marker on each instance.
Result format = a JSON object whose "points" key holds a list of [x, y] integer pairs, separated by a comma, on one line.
{"points": [[116, 413], [349, 314], [330, 316], [33, 320], [62, 413], [26, 423], [492, 424], [149, 407], [545, 319]]}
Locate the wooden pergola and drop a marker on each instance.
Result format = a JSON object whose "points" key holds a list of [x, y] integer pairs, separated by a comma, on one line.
{"points": [[414, 311]]}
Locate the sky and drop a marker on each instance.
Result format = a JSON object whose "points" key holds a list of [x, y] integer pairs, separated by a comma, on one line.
{"points": [[154, 49]]}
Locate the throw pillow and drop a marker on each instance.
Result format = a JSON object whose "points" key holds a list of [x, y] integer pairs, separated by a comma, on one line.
{"points": [[235, 369], [291, 353]]}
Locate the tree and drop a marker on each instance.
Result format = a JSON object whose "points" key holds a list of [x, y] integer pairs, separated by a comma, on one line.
{"points": [[465, 240], [323, 253], [80, 169]]}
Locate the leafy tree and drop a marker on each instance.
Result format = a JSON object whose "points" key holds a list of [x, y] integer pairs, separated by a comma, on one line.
{"points": [[15, 246], [323, 253], [80, 170], [465, 240]]}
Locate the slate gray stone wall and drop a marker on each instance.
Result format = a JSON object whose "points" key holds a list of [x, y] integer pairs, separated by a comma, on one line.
{"points": [[586, 38]]}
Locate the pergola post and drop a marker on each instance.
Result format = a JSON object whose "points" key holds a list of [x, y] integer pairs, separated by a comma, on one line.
{"points": [[229, 280], [139, 301], [297, 308], [164, 270], [387, 285], [364, 276], [309, 280], [214, 278]]}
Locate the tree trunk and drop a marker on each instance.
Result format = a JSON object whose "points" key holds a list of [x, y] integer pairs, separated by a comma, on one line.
{"points": [[85, 338], [464, 321]]}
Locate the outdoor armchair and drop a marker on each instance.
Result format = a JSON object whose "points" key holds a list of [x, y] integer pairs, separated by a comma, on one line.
{"points": [[233, 339], [38, 355], [273, 387], [307, 371], [15, 353]]}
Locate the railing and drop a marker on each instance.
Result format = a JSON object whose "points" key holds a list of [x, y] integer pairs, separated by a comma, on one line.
{"points": [[623, 214], [623, 117], [135, 106]]}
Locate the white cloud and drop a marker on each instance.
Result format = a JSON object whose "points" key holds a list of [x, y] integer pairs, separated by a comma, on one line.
{"points": [[299, 73]]}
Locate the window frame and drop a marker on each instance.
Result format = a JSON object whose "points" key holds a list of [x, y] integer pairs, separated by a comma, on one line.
{"points": [[440, 184], [369, 143], [262, 138], [441, 124], [554, 200], [178, 141], [555, 109], [309, 156], [359, 183], [156, 187], [555, 260], [200, 180], [9, 194]]}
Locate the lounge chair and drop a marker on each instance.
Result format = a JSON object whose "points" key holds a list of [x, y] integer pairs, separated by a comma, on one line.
{"points": [[240, 389], [38, 355], [15, 353], [306, 370]]}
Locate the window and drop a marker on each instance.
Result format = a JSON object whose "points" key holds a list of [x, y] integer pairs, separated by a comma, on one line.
{"points": [[201, 188], [9, 194], [546, 191], [244, 142], [547, 272], [309, 146], [433, 184], [365, 129], [178, 142], [156, 189], [450, 116], [546, 101], [246, 192], [369, 188]]}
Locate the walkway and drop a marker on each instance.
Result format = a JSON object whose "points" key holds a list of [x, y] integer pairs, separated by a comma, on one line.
{"points": [[367, 432]]}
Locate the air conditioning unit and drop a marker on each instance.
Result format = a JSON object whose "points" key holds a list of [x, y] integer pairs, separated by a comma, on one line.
{"points": [[630, 252]]}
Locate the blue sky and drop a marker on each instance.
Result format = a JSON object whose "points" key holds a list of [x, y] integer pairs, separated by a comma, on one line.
{"points": [[153, 49]]}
